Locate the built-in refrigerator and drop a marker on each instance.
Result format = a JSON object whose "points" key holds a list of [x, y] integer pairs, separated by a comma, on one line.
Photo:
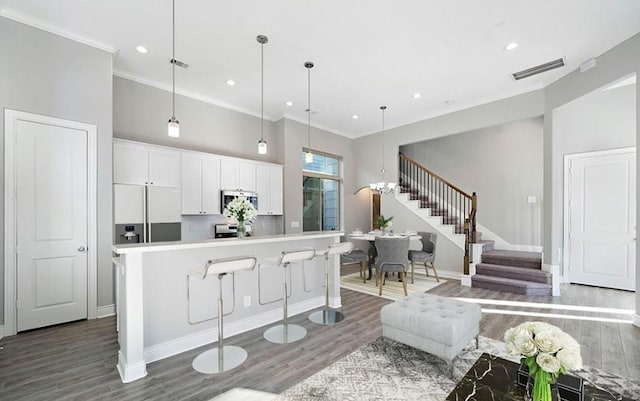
{"points": [[146, 213]]}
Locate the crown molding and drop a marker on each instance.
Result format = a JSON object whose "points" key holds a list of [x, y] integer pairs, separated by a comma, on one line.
{"points": [[39, 24]]}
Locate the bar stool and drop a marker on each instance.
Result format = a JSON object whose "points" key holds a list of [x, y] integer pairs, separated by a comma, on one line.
{"points": [[225, 357], [288, 333], [327, 315]]}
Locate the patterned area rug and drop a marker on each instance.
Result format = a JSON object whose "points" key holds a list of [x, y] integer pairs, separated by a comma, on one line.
{"points": [[387, 370], [392, 288]]}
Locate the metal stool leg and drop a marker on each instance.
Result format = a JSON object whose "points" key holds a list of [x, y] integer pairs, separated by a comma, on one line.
{"points": [[223, 358], [285, 333], [326, 316]]}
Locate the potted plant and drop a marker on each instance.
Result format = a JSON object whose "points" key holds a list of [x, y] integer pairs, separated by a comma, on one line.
{"points": [[384, 223]]}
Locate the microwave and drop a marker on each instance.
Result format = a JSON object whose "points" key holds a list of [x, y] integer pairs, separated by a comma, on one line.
{"points": [[227, 196]]}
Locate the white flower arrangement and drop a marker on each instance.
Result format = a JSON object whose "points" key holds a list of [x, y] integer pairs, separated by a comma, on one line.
{"points": [[548, 352], [240, 209]]}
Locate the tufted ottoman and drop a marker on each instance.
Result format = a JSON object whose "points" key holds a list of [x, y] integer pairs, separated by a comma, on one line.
{"points": [[437, 325]]}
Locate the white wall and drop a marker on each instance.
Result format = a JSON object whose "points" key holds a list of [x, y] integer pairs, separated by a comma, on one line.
{"points": [[503, 165], [46, 74]]}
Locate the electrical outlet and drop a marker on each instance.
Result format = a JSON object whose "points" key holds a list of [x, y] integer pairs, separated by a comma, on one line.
{"points": [[247, 301]]}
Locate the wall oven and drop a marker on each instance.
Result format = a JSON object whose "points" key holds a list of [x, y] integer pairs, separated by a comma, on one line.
{"points": [[227, 196]]}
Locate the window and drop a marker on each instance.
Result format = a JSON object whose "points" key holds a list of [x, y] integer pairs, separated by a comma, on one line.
{"points": [[321, 185]]}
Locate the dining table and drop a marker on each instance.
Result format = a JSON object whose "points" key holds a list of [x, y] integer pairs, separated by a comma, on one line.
{"points": [[371, 238]]}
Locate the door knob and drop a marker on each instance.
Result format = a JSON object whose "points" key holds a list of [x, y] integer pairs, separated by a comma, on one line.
{"points": [[81, 249]]}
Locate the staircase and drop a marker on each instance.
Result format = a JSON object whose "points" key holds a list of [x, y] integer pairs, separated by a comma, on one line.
{"points": [[452, 213], [512, 271]]}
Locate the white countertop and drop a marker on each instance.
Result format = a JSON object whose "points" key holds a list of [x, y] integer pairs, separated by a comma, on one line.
{"points": [[221, 242]]}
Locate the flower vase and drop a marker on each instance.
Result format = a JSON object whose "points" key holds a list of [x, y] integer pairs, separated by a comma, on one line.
{"points": [[547, 391], [242, 230]]}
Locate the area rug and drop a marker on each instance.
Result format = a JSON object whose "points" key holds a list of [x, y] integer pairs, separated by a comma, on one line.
{"points": [[390, 371], [392, 288]]}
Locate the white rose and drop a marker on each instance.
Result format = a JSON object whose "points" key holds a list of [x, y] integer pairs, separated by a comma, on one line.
{"points": [[548, 362], [570, 358], [547, 341], [537, 327], [566, 341], [524, 344]]}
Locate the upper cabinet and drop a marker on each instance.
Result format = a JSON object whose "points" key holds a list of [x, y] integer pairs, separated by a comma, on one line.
{"points": [[236, 174], [200, 184], [141, 164], [269, 187]]}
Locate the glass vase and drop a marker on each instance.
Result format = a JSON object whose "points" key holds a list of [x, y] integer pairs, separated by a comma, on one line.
{"points": [[242, 229], [548, 392]]}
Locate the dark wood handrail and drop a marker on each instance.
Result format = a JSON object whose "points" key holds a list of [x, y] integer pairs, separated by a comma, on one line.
{"points": [[423, 168]]}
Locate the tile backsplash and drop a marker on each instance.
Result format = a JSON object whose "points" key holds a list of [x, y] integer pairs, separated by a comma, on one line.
{"points": [[196, 227]]}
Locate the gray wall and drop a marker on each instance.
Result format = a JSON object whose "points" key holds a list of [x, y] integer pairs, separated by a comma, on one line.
{"points": [[503, 165], [45, 74], [141, 112]]}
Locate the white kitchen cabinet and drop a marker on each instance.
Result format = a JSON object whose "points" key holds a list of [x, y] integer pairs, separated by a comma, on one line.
{"points": [[237, 175], [200, 184], [141, 164], [269, 187]]}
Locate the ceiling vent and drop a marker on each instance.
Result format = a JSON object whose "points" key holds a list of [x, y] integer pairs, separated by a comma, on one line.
{"points": [[179, 63], [551, 65]]}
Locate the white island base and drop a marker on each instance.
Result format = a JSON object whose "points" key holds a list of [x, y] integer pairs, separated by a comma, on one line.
{"points": [[165, 307]]}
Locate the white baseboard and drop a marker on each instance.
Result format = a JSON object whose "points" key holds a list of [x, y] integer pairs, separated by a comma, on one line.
{"points": [[465, 280], [1, 332], [335, 302], [189, 342], [130, 372], [556, 279], [106, 311], [636, 320]]}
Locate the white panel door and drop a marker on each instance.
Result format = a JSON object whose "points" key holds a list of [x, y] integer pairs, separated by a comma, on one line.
{"points": [[191, 184], [164, 167], [602, 215], [130, 163], [164, 204], [51, 181], [210, 185]]}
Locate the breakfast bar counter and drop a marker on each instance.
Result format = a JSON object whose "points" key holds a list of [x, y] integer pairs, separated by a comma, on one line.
{"points": [[165, 307]]}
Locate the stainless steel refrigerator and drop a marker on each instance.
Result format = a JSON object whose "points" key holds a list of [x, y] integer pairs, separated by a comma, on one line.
{"points": [[146, 213]]}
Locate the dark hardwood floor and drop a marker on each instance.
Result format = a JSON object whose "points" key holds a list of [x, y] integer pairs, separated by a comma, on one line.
{"points": [[76, 361]]}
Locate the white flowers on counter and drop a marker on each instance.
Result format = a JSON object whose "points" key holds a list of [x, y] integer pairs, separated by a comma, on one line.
{"points": [[240, 209]]}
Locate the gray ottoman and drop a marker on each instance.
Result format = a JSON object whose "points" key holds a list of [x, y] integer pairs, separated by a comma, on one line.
{"points": [[437, 325]]}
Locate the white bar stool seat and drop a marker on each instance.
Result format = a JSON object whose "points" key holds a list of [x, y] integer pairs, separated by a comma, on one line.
{"points": [[328, 316], [224, 357], [288, 333]]}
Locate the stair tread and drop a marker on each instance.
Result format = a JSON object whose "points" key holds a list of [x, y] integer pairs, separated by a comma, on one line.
{"points": [[515, 254], [523, 270], [513, 272], [509, 281]]}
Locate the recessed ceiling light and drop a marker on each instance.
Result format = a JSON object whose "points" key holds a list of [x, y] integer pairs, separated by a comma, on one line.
{"points": [[511, 46], [355, 116], [417, 95], [142, 49], [289, 103], [231, 82]]}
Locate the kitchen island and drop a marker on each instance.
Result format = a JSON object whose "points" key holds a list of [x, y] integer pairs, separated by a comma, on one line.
{"points": [[165, 307]]}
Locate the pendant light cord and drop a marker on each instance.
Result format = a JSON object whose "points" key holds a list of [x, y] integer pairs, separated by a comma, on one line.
{"points": [[262, 92], [173, 60], [383, 108], [309, 108]]}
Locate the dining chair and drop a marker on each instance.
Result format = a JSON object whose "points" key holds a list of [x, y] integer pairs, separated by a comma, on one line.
{"points": [[392, 258], [426, 255], [356, 256]]}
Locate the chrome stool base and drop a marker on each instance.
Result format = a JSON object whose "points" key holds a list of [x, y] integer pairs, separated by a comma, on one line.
{"points": [[326, 316], [208, 362], [276, 334]]}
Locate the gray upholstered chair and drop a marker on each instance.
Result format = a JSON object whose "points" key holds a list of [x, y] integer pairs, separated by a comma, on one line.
{"points": [[426, 255], [392, 257], [356, 256]]}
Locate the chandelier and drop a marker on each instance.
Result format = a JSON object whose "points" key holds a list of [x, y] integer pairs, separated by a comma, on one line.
{"points": [[383, 187]]}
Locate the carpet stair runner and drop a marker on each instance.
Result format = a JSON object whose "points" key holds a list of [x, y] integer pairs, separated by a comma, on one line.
{"points": [[512, 271]]}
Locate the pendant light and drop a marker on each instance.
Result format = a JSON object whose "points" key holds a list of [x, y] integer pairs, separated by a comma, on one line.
{"points": [[262, 144], [173, 128], [383, 186], [308, 157]]}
